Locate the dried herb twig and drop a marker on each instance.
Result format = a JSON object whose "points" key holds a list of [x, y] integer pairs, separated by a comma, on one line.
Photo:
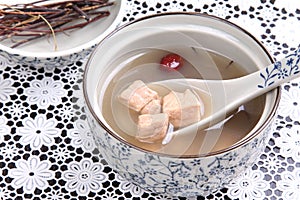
{"points": [[22, 23]]}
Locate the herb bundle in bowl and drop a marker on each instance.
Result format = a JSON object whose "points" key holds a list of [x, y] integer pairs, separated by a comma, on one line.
{"points": [[55, 33]]}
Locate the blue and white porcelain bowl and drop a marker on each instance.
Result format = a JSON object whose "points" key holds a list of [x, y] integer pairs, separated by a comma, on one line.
{"points": [[71, 45], [179, 174]]}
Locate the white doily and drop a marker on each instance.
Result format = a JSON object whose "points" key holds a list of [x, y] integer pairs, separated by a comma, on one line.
{"points": [[48, 152]]}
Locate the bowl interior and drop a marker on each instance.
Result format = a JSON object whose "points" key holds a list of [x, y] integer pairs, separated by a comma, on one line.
{"points": [[171, 32], [71, 41]]}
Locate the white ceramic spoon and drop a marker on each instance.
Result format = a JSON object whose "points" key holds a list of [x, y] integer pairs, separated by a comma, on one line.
{"points": [[227, 95]]}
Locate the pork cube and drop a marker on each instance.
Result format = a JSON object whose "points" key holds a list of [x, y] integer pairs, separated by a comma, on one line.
{"points": [[153, 107], [137, 95], [182, 108], [152, 128]]}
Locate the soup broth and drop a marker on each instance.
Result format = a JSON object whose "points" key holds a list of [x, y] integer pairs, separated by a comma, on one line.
{"points": [[144, 65]]}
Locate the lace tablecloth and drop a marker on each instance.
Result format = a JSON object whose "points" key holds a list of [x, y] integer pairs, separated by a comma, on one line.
{"points": [[47, 150]]}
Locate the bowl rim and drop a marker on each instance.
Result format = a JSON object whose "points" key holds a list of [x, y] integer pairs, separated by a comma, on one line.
{"points": [[77, 49], [236, 145]]}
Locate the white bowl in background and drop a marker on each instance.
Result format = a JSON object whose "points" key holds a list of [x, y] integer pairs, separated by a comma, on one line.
{"points": [[72, 45]]}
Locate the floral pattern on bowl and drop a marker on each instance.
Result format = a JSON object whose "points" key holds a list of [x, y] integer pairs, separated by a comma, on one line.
{"points": [[185, 177]]}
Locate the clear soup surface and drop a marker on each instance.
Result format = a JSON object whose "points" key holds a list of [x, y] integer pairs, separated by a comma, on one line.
{"points": [[144, 65]]}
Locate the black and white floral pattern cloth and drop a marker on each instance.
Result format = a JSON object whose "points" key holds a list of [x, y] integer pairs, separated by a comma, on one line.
{"points": [[47, 150]]}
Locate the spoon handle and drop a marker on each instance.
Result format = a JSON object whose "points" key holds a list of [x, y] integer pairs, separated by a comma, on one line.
{"points": [[240, 90], [280, 72], [230, 94]]}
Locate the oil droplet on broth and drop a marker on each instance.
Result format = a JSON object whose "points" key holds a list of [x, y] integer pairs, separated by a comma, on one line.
{"points": [[146, 67]]}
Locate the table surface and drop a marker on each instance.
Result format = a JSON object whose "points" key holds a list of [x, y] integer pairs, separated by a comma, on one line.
{"points": [[47, 150]]}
